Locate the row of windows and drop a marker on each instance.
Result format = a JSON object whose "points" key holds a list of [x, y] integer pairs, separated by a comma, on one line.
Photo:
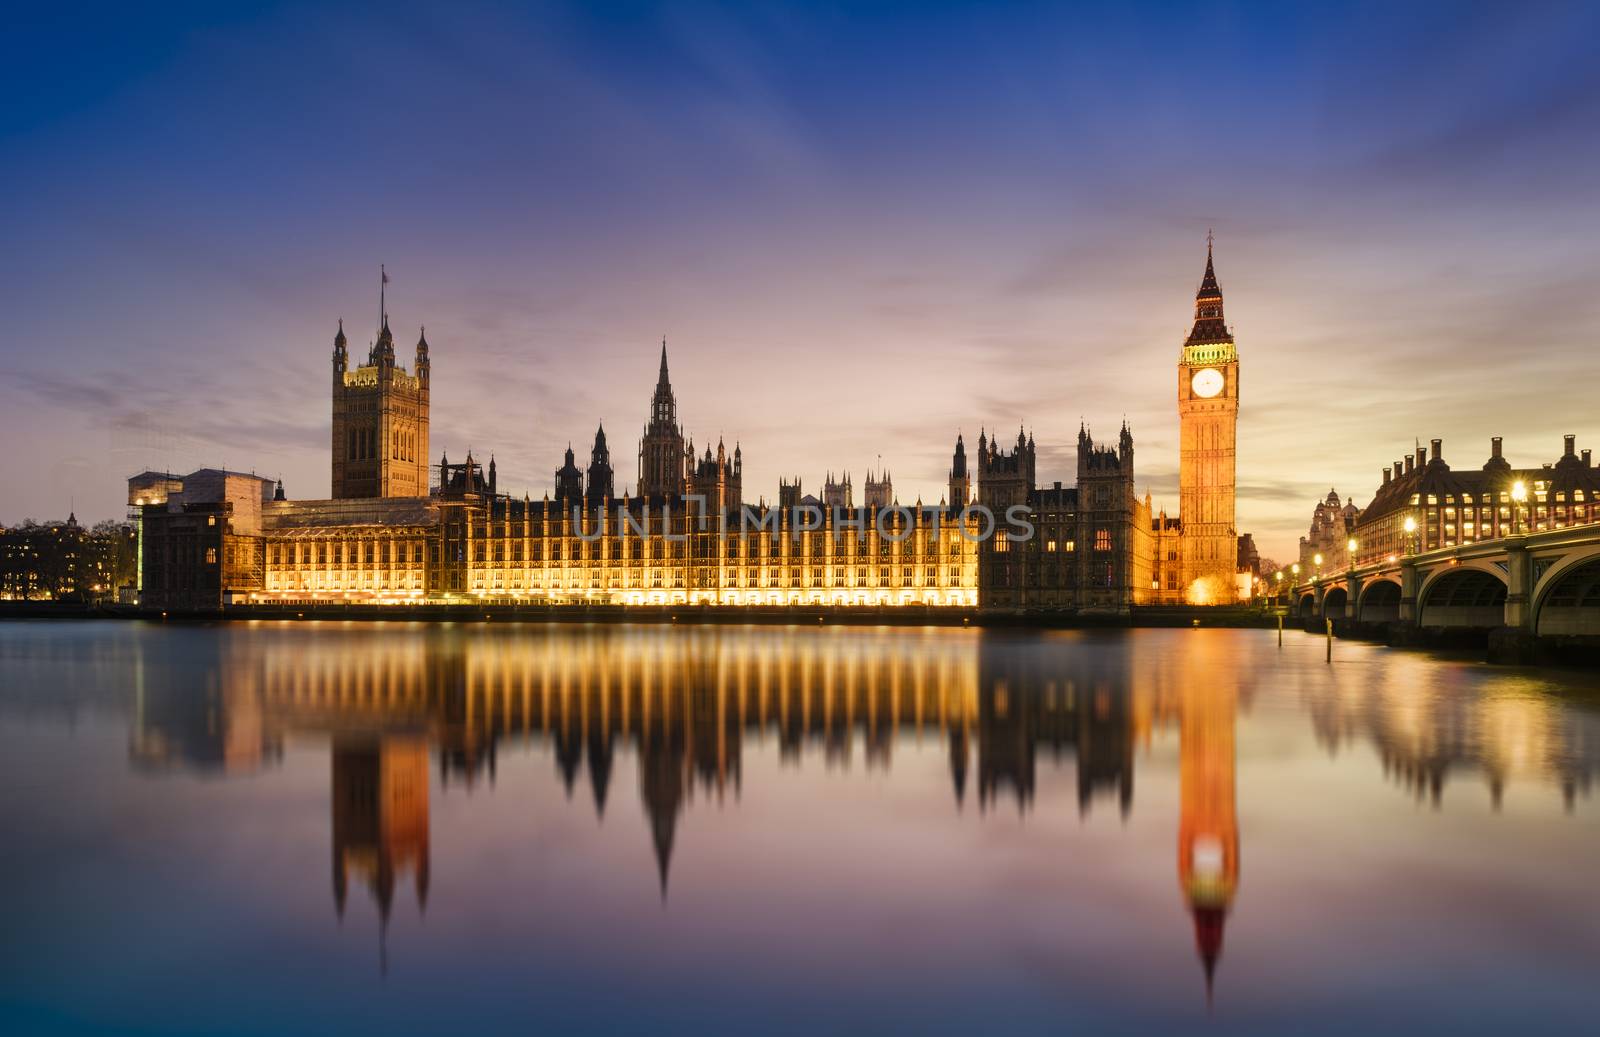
{"points": [[360, 552], [1539, 494], [848, 540]]}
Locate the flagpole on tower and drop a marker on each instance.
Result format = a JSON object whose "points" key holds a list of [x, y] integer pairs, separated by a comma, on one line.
{"points": [[383, 311]]}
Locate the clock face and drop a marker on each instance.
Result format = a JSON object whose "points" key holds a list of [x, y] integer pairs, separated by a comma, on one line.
{"points": [[1207, 382]]}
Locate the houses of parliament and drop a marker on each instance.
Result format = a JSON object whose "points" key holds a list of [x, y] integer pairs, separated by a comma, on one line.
{"points": [[399, 530]]}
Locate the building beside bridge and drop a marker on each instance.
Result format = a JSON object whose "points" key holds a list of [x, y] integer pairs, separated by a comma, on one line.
{"points": [[1332, 525], [1450, 507], [1482, 547]]}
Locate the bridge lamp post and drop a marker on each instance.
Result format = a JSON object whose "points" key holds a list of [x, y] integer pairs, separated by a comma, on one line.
{"points": [[1350, 546], [1411, 533], [1316, 560], [1519, 495]]}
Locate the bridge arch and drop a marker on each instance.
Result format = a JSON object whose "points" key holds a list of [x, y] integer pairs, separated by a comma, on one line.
{"points": [[1379, 601], [1334, 600], [1463, 596], [1307, 606], [1568, 598]]}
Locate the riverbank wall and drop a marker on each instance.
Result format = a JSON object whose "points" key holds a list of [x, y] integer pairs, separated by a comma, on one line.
{"points": [[902, 615]]}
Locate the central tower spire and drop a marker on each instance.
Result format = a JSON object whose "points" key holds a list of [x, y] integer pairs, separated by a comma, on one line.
{"points": [[662, 465]]}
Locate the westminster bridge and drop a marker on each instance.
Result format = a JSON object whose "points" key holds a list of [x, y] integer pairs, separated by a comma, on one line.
{"points": [[1540, 584]]}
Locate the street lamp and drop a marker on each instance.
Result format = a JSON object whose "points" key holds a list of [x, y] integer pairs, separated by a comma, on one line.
{"points": [[1519, 494], [1411, 532], [1350, 546], [1316, 560]]}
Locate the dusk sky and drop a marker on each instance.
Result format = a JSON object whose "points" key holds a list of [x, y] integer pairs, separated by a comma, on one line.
{"points": [[861, 228]]}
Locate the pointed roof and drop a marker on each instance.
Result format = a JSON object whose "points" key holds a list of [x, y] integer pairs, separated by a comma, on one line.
{"points": [[662, 380], [1209, 289], [338, 339], [1210, 327]]}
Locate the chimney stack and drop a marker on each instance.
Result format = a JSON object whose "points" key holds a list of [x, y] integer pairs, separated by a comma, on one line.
{"points": [[1386, 474], [1410, 460], [1438, 452], [1397, 469], [1586, 462], [1569, 442], [1494, 448], [1422, 457]]}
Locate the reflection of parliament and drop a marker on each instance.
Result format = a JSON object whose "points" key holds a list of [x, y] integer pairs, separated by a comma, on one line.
{"points": [[675, 713], [398, 530]]}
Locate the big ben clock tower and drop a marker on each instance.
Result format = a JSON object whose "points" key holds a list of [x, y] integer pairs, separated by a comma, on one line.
{"points": [[1208, 418]]}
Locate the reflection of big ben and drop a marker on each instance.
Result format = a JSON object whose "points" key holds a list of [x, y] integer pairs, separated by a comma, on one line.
{"points": [[1208, 418], [1208, 828]]}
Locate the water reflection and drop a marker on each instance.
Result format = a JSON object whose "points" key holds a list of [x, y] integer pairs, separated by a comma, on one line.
{"points": [[380, 819], [1502, 730], [1208, 826], [687, 704]]}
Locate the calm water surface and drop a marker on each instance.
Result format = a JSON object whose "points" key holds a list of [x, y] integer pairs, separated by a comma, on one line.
{"points": [[261, 828]]}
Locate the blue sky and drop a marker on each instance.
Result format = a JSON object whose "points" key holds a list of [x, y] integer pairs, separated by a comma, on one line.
{"points": [[861, 227]]}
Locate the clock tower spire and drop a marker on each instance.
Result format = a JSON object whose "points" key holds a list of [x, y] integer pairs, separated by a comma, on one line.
{"points": [[1208, 419]]}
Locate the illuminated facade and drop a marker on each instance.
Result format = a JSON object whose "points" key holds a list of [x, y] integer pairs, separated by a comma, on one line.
{"points": [[380, 421], [468, 545], [1451, 507], [496, 550], [391, 535], [1208, 419]]}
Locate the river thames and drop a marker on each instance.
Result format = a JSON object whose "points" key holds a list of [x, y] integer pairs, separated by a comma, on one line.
{"points": [[334, 827]]}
